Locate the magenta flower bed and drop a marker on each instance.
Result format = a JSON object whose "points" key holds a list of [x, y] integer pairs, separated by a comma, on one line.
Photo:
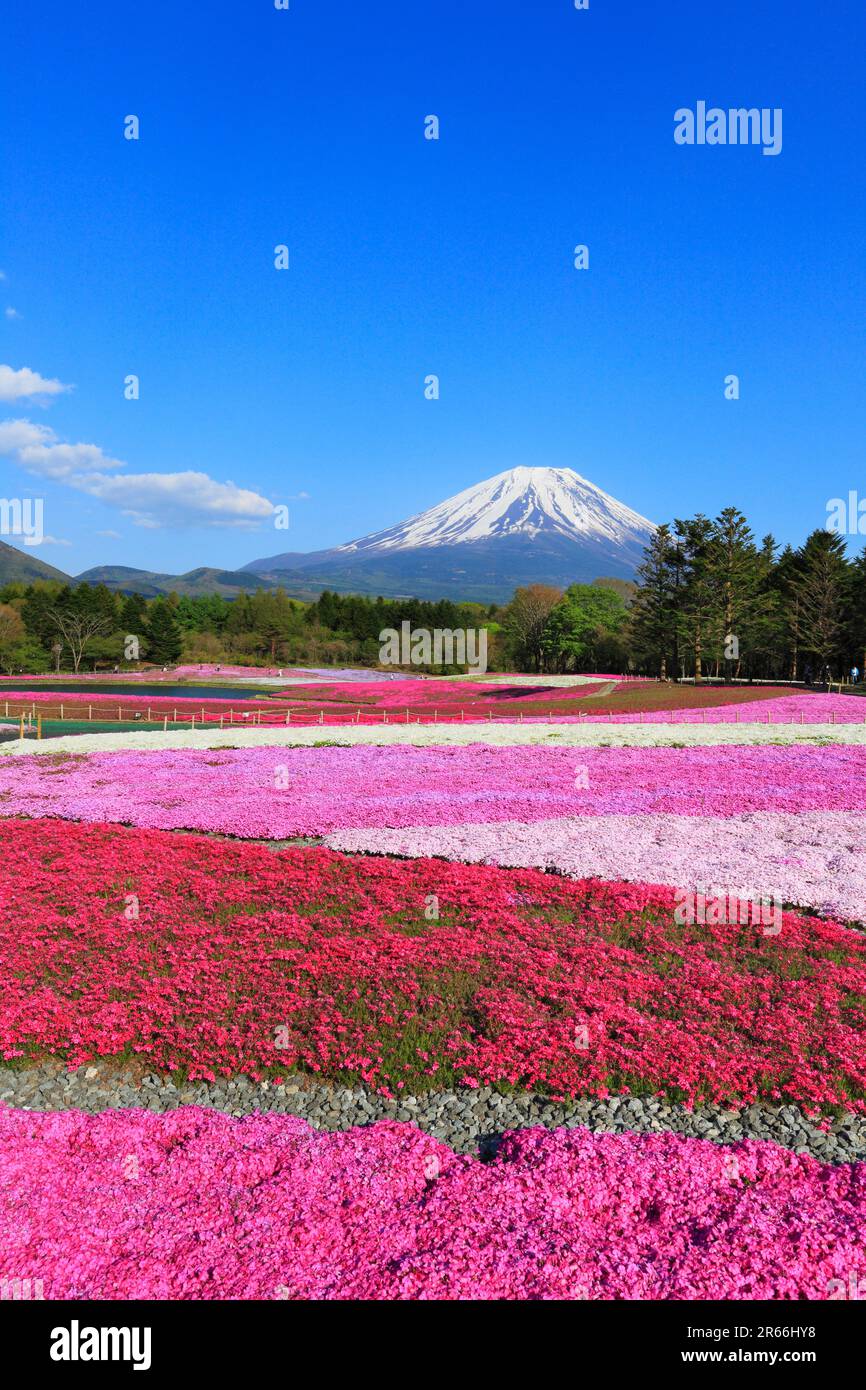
{"points": [[816, 859], [194, 1205], [284, 792]]}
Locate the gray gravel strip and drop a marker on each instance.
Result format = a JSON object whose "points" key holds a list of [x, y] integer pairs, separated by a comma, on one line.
{"points": [[468, 1121]]}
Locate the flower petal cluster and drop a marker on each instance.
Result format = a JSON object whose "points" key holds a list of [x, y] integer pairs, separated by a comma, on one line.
{"points": [[195, 1205]]}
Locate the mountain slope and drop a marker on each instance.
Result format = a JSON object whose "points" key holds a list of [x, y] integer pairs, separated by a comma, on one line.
{"points": [[21, 567], [519, 502], [526, 525]]}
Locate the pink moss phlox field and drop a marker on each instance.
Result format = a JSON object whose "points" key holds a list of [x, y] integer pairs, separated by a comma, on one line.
{"points": [[286, 792], [195, 1205], [237, 959], [816, 859]]}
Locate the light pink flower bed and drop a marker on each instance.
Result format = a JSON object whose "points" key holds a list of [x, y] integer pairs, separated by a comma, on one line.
{"points": [[285, 792], [816, 859], [195, 1205]]}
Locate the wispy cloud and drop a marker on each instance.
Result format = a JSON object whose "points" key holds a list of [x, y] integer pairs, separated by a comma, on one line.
{"points": [[110, 535], [12, 313], [23, 383], [188, 498]]}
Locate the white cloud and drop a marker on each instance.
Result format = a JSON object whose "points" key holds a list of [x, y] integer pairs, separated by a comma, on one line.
{"points": [[48, 540], [12, 313], [2, 274], [15, 385], [189, 498], [110, 535], [37, 448]]}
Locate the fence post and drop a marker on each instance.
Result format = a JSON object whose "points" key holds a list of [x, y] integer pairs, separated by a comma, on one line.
{"points": [[21, 727], [39, 725], [165, 724]]}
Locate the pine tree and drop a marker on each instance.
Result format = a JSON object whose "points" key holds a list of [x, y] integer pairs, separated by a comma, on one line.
{"points": [[823, 592], [653, 611], [698, 616], [164, 632], [733, 563]]}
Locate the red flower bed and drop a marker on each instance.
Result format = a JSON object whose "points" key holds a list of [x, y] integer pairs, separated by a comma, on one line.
{"points": [[221, 958]]}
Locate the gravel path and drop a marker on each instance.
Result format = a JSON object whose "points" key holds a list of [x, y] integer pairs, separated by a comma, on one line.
{"points": [[468, 1121]]}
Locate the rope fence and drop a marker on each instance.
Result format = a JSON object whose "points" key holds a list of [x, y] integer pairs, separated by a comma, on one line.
{"points": [[32, 717]]}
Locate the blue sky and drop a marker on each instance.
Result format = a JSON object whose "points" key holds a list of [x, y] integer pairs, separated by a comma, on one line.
{"points": [[410, 257]]}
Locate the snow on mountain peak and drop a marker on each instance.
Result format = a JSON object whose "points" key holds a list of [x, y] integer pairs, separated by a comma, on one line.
{"points": [[519, 502]]}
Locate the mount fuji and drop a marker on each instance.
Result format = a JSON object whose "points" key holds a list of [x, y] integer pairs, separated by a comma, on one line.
{"points": [[523, 526]]}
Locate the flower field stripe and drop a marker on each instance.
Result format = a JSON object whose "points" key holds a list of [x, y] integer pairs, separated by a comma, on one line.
{"points": [[815, 860], [560, 734], [195, 1205], [263, 793], [225, 958]]}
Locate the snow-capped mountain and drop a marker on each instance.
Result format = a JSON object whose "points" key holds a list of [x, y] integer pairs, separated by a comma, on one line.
{"points": [[524, 526], [520, 501]]}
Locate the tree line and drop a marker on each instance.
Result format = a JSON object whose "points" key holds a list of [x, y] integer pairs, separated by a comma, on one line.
{"points": [[48, 626]]}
